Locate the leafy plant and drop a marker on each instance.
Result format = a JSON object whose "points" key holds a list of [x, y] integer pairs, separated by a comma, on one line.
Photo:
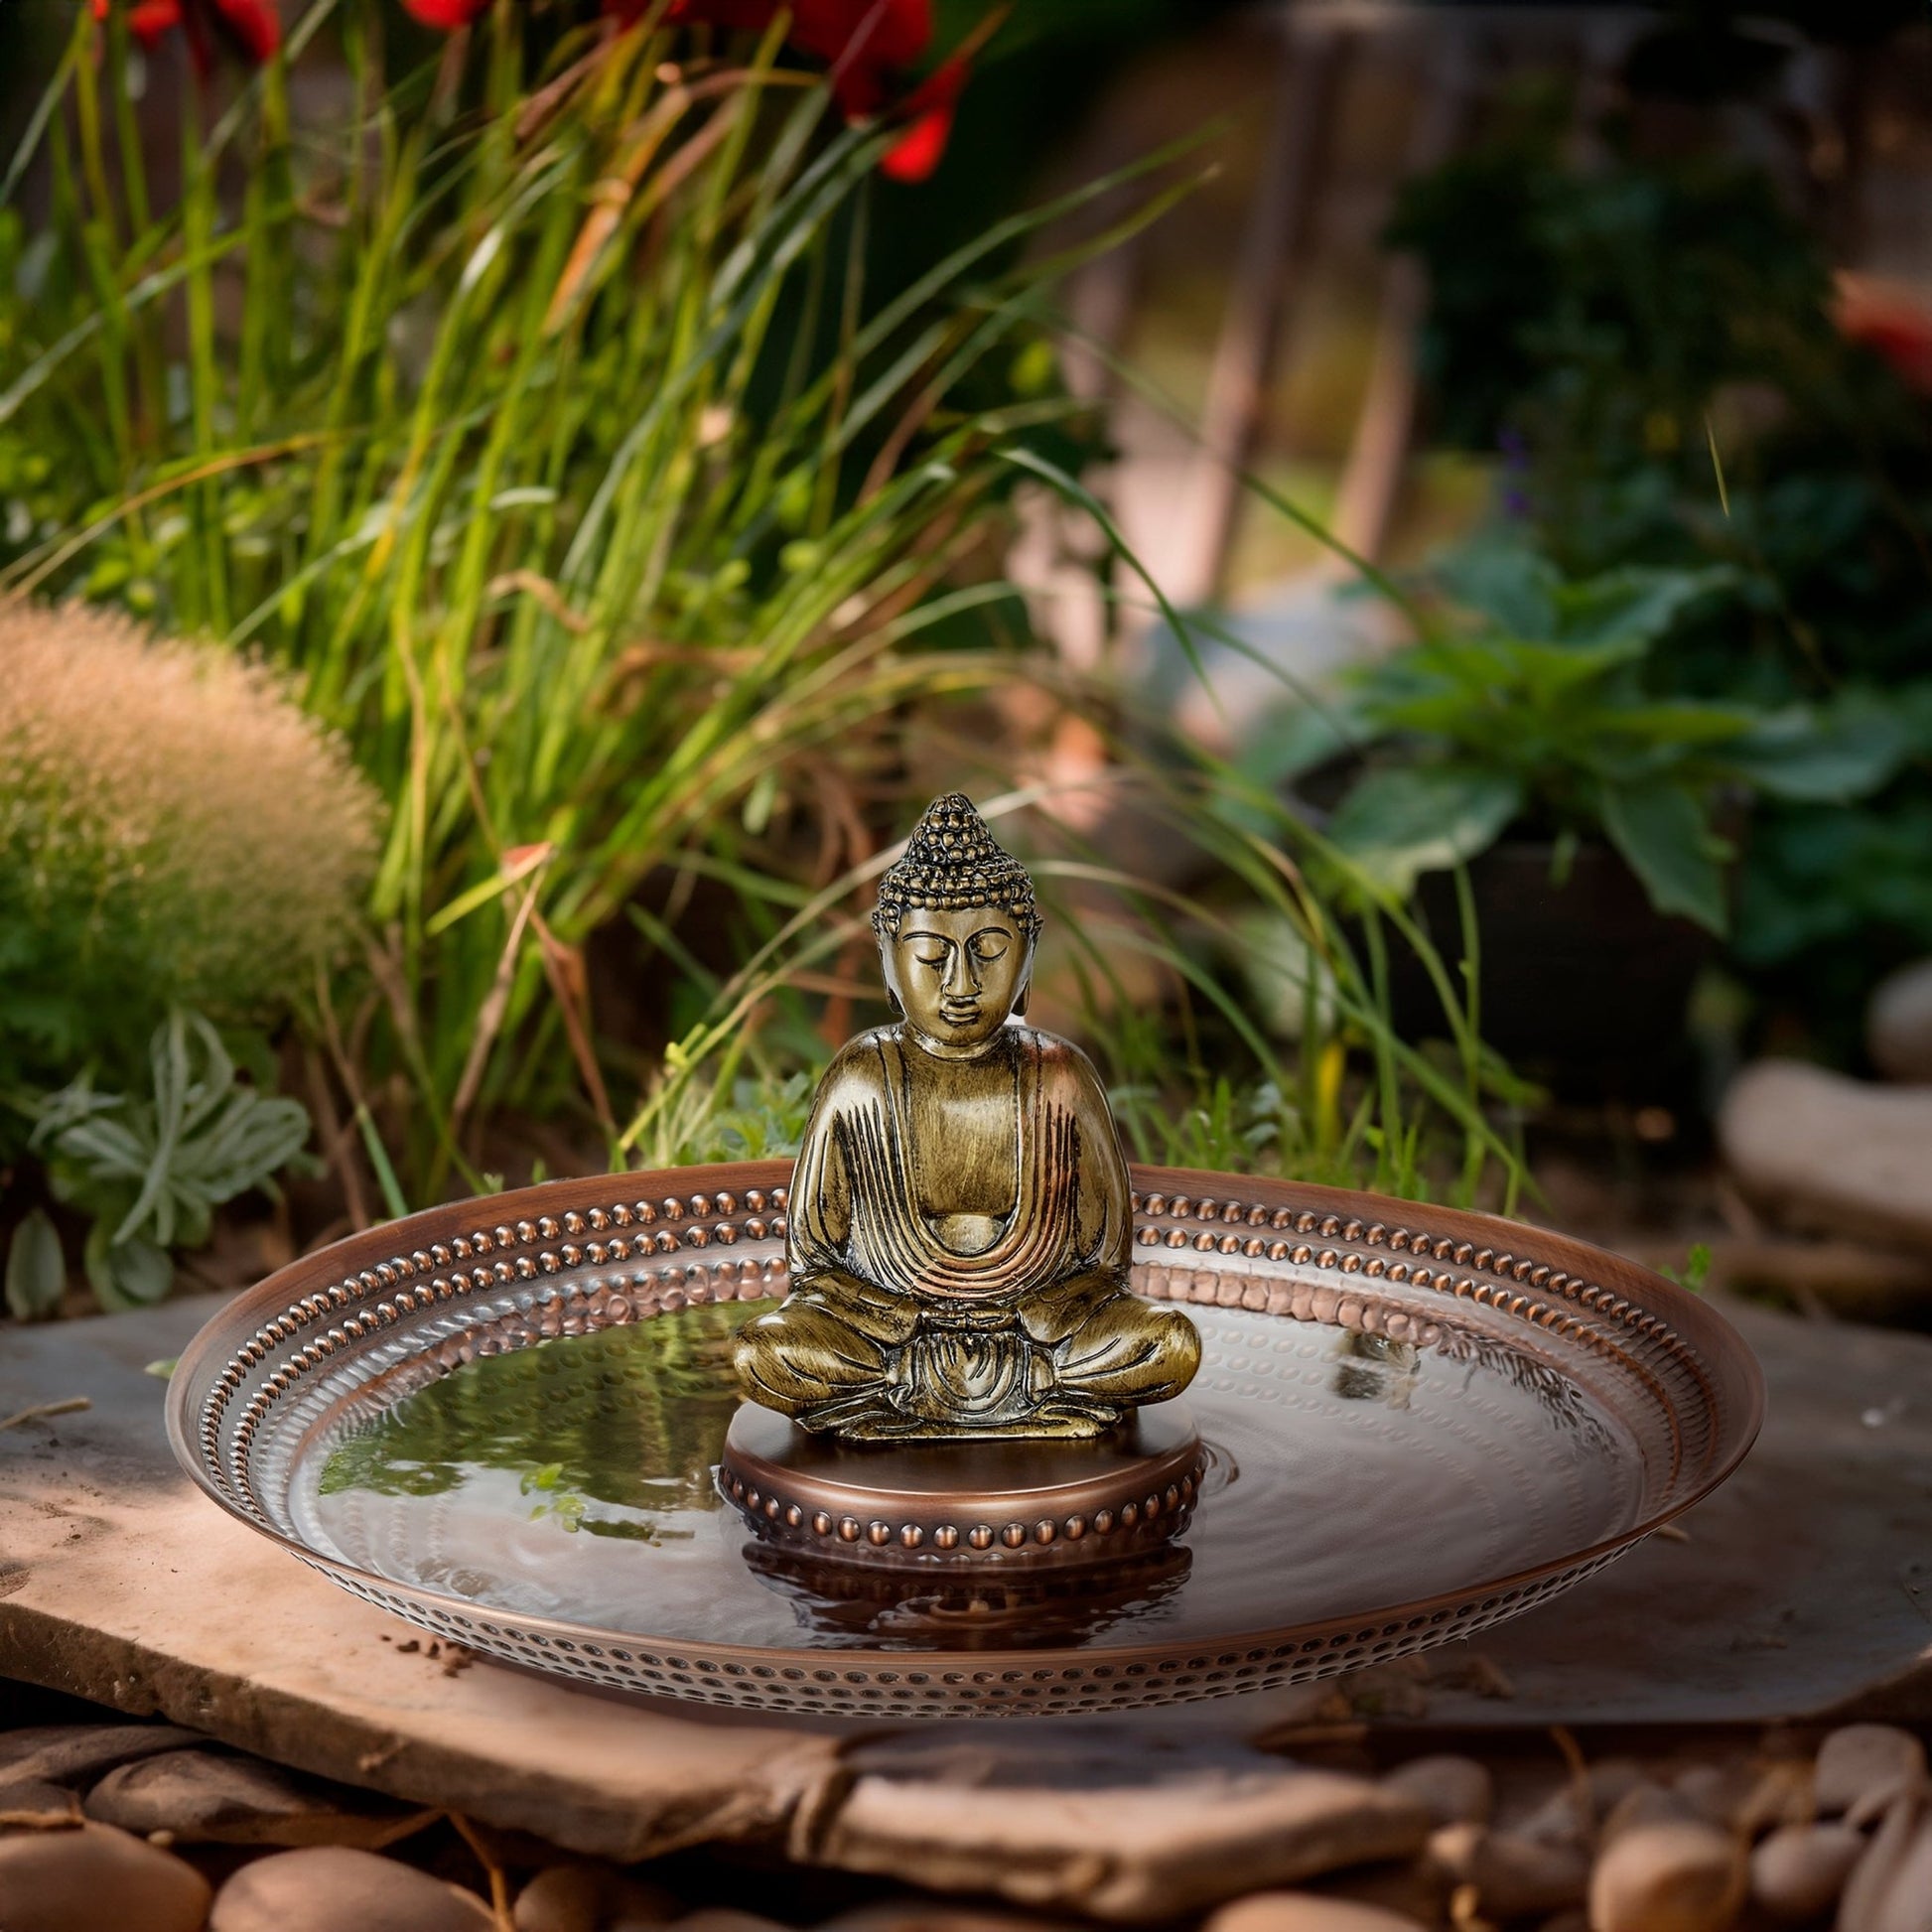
{"points": [[1659, 353], [565, 454], [1533, 706], [176, 838], [149, 1170], [547, 424]]}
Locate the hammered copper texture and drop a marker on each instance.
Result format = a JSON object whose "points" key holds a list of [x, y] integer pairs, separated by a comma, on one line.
{"points": [[392, 1310]]}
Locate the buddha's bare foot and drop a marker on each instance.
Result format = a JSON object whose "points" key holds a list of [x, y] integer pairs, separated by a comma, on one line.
{"points": [[866, 1413], [1066, 1420]]}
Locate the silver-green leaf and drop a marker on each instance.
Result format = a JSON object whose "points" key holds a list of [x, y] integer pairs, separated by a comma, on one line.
{"points": [[36, 1270]]}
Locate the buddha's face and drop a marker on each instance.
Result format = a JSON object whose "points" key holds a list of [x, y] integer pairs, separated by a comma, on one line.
{"points": [[958, 974]]}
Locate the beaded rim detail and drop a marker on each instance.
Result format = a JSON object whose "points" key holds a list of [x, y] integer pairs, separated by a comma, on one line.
{"points": [[588, 1254]]}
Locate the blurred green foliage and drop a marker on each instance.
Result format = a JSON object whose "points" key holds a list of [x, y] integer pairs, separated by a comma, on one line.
{"points": [[1652, 349], [1530, 706]]}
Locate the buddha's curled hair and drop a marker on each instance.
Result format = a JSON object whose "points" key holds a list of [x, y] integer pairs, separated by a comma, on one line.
{"points": [[950, 862]]}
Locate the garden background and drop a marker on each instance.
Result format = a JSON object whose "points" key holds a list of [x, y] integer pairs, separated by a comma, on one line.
{"points": [[1414, 520]]}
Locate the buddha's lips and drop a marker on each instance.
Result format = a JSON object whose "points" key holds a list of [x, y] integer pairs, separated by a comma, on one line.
{"points": [[961, 1013]]}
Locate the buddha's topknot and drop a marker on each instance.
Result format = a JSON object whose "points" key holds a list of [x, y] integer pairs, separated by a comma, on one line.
{"points": [[950, 862]]}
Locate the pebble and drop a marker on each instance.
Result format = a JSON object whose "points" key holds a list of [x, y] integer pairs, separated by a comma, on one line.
{"points": [[1865, 1764], [726, 1918], [1677, 1876], [79, 1753], [1718, 1792], [213, 1797], [1800, 1868], [95, 1878], [331, 1889], [563, 1898], [1891, 1887], [587, 1899], [1452, 1790], [1567, 1816], [29, 1802], [1517, 1876], [1649, 1804], [1899, 1025], [1301, 1911], [918, 1914]]}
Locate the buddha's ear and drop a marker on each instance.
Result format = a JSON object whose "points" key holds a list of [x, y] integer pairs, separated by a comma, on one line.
{"points": [[1025, 993], [891, 1000]]}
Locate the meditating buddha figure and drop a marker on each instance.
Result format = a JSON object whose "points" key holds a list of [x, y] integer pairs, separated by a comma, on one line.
{"points": [[960, 1214]]}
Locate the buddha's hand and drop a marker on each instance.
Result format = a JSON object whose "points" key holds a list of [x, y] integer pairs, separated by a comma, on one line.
{"points": [[970, 1374]]}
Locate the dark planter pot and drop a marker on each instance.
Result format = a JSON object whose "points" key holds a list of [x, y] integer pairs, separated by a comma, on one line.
{"points": [[1584, 986]]}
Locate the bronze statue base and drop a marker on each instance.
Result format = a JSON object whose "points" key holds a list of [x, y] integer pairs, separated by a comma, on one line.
{"points": [[997, 1504]]}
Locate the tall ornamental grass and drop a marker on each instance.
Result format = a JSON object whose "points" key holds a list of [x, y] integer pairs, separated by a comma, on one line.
{"points": [[537, 416], [539, 419]]}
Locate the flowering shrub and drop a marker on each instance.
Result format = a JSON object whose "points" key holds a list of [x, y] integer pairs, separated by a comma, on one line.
{"points": [[251, 28], [174, 832], [177, 839]]}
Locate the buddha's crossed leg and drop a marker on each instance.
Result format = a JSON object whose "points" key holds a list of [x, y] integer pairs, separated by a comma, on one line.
{"points": [[832, 1355], [825, 1348], [1109, 1346]]}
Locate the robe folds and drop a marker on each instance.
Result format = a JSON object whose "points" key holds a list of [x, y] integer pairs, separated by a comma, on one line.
{"points": [[862, 1180], [884, 1315]]}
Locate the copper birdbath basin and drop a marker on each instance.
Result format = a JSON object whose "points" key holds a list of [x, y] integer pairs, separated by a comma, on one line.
{"points": [[501, 1420]]}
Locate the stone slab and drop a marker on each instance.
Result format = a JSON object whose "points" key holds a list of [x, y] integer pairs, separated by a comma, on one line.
{"points": [[121, 1583], [1805, 1588]]}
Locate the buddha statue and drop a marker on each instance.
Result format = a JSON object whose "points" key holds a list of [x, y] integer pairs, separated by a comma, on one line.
{"points": [[960, 1213]]}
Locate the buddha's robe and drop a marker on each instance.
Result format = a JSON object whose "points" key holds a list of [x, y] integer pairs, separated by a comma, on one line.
{"points": [[884, 1315]]}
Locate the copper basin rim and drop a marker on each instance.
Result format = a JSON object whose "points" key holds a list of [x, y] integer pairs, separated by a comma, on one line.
{"points": [[1738, 1382]]}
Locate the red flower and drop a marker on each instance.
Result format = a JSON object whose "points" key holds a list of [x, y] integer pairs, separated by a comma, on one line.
{"points": [[448, 15], [252, 26], [869, 45], [930, 111], [1891, 320]]}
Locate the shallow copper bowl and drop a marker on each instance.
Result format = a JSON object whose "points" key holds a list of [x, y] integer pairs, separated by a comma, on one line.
{"points": [[1423, 1422]]}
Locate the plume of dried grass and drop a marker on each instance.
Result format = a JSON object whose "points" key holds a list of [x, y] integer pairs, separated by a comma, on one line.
{"points": [[172, 826]]}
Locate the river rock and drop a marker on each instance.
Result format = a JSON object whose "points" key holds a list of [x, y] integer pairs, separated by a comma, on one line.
{"points": [[215, 1797], [93, 1877], [1452, 1790], [582, 1897], [332, 1889], [77, 1753], [1899, 1025], [1301, 1911], [1891, 1887], [1649, 1804], [1569, 1815], [35, 1805], [1861, 1765], [1517, 1876], [1799, 1869], [1670, 1876], [1720, 1793], [1836, 1156], [914, 1913]]}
